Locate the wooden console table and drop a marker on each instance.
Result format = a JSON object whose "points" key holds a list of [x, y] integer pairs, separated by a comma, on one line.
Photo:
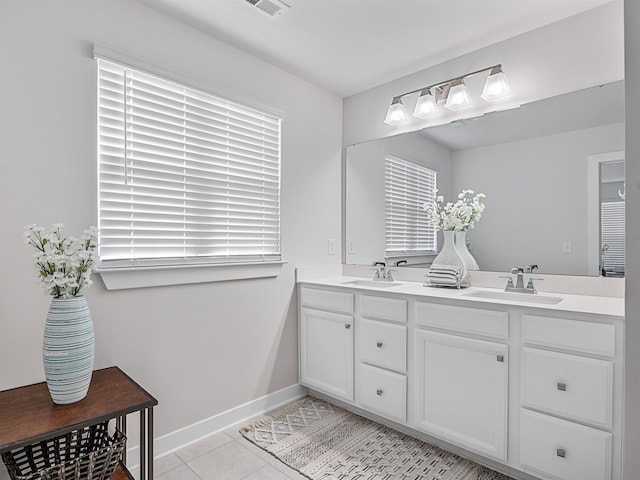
{"points": [[28, 415]]}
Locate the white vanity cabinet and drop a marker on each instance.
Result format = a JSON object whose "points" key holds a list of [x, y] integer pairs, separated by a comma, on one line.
{"points": [[462, 380], [381, 343], [326, 341], [535, 391], [567, 398]]}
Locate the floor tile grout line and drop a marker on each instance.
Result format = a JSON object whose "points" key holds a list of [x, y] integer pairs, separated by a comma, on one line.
{"points": [[206, 451]]}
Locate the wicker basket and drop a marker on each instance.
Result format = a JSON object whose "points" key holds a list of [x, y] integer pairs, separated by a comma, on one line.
{"points": [[86, 454]]}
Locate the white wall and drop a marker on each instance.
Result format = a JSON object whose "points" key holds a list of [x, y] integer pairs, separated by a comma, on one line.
{"points": [[572, 54], [632, 199], [200, 349], [538, 200]]}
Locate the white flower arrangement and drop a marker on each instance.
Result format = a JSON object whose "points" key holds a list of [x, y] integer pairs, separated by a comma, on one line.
{"points": [[63, 264], [459, 216]]}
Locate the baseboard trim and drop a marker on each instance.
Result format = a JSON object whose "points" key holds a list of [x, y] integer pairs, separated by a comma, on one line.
{"points": [[182, 437]]}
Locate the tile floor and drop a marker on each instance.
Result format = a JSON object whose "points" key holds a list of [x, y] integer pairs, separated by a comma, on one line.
{"points": [[222, 456]]}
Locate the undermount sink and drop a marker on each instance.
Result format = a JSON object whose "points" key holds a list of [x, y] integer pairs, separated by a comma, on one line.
{"points": [[515, 297], [372, 283]]}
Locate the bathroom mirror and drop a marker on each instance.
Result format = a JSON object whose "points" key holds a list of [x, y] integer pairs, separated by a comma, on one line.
{"points": [[547, 169]]}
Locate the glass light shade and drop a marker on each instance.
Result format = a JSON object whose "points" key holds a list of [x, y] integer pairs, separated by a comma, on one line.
{"points": [[496, 87], [458, 97], [425, 106], [397, 113]]}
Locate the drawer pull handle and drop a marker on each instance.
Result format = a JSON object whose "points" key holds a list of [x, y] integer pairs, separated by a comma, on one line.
{"points": [[379, 392], [379, 344], [562, 387], [500, 358], [347, 326], [561, 453]]}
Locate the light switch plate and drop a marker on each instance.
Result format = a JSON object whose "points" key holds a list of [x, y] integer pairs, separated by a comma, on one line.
{"points": [[332, 246]]}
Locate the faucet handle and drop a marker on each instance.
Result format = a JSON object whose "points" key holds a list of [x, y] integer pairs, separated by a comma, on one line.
{"points": [[531, 286], [509, 279], [379, 269]]}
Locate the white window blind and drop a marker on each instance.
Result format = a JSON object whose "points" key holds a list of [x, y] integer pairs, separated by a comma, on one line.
{"points": [[612, 228], [407, 187], [184, 176]]}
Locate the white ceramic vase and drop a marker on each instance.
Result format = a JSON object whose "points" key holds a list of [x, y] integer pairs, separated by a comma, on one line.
{"points": [[449, 254], [463, 250], [68, 349]]}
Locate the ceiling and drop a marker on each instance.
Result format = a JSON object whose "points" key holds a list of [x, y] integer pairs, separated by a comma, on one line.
{"points": [[348, 46]]}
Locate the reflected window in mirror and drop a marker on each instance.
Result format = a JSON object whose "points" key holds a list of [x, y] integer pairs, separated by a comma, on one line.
{"points": [[612, 219], [408, 230]]}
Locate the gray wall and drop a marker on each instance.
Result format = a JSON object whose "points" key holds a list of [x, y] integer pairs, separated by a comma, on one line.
{"points": [[200, 349], [536, 199]]}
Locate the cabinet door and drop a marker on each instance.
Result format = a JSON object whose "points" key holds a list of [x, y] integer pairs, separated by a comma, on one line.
{"points": [[326, 352], [462, 391]]}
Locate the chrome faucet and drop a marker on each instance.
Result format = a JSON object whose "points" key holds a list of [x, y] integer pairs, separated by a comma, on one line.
{"points": [[519, 286], [381, 272]]}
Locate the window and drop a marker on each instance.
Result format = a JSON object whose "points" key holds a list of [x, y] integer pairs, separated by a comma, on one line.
{"points": [[612, 228], [407, 187], [185, 177]]}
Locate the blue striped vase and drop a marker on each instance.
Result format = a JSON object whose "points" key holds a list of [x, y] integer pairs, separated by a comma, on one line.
{"points": [[68, 349]]}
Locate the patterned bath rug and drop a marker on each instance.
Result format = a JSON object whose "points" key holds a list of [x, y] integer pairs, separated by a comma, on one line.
{"points": [[325, 442]]}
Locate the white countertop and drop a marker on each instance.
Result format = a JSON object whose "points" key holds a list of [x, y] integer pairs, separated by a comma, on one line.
{"points": [[589, 304]]}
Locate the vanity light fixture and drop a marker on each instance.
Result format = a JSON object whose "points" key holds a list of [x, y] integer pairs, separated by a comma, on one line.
{"points": [[397, 113], [458, 97], [453, 94], [496, 86], [425, 105]]}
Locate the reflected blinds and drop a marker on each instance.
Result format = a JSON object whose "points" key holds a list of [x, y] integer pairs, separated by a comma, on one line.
{"points": [[407, 187], [612, 227], [184, 176]]}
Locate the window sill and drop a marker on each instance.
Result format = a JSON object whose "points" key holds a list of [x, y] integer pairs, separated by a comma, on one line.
{"points": [[140, 277]]}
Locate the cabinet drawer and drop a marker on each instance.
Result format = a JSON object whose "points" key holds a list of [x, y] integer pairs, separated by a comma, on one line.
{"points": [[383, 392], [477, 321], [567, 385], [574, 335], [383, 344], [382, 307], [563, 449], [326, 299]]}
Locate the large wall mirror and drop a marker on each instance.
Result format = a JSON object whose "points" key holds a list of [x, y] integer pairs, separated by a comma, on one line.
{"points": [[552, 172]]}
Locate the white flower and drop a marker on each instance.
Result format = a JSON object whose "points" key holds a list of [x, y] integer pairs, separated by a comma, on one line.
{"points": [[63, 264], [459, 216]]}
